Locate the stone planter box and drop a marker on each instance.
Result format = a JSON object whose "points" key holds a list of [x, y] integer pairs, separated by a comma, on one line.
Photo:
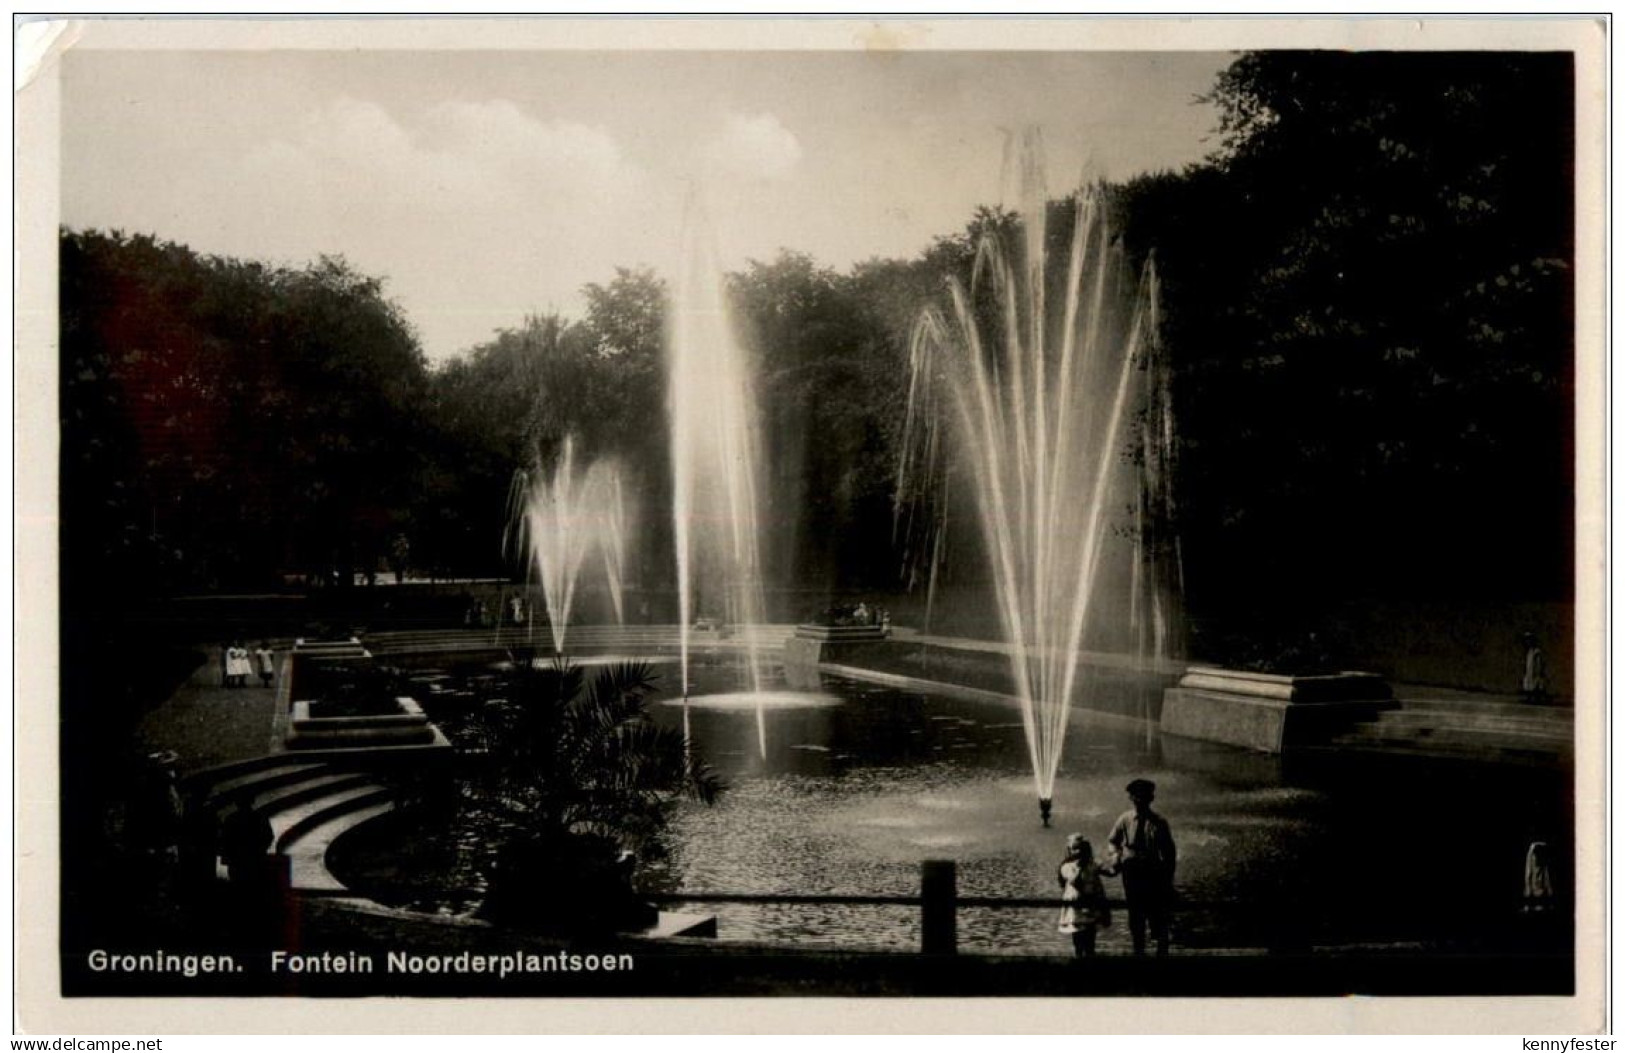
{"points": [[812, 644], [339, 649], [406, 727], [1268, 711]]}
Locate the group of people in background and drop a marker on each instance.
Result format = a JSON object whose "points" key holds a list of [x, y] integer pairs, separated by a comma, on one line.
{"points": [[238, 664], [1141, 852], [513, 610], [860, 613]]}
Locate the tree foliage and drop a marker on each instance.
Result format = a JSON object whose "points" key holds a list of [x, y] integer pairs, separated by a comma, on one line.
{"points": [[508, 405], [1367, 307], [224, 420], [1369, 294]]}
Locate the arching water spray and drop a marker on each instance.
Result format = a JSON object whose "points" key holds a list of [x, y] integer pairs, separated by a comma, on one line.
{"points": [[558, 521], [1039, 374]]}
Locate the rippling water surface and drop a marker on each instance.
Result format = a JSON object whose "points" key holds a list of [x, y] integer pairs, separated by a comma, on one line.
{"points": [[861, 783], [1320, 850]]}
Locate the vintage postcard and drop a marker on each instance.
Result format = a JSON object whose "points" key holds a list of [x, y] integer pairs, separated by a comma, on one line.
{"points": [[657, 524]]}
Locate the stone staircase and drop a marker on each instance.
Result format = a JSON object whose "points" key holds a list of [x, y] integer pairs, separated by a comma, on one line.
{"points": [[1456, 725], [308, 803]]}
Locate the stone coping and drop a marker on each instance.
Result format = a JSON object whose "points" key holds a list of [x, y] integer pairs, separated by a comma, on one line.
{"points": [[359, 753], [409, 714], [385, 733], [304, 646], [1258, 721], [1349, 686], [841, 632]]}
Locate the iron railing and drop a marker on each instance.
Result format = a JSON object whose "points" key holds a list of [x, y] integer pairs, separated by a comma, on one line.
{"points": [[939, 903]]}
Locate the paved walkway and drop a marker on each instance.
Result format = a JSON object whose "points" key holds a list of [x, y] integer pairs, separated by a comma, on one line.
{"points": [[207, 724]]}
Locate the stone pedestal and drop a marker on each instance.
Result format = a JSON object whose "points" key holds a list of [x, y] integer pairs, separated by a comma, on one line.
{"points": [[815, 644], [407, 726], [348, 650], [1266, 711]]}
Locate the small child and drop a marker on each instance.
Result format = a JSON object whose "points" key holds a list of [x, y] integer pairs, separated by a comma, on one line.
{"points": [[1083, 896], [265, 659]]}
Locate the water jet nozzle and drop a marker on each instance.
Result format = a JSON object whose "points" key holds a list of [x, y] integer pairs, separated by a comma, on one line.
{"points": [[1044, 806]]}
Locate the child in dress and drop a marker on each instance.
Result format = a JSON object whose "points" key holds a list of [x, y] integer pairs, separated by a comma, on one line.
{"points": [[237, 667], [1083, 896], [265, 662]]}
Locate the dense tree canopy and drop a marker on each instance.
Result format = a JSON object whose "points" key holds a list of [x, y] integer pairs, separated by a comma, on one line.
{"points": [[1369, 295], [1367, 312], [225, 421]]}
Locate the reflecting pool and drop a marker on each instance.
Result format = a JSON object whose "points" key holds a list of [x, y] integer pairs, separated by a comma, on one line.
{"points": [[860, 783], [1313, 850]]}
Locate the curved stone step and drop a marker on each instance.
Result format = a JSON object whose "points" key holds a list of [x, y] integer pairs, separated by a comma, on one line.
{"points": [[285, 797], [307, 850], [263, 778], [289, 823]]}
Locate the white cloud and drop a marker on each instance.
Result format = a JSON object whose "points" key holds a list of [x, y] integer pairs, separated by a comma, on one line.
{"points": [[477, 211], [753, 147], [456, 154]]}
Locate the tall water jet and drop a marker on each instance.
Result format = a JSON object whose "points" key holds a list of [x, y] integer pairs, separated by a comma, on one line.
{"points": [[1157, 561], [610, 514], [715, 456], [1039, 375], [557, 521]]}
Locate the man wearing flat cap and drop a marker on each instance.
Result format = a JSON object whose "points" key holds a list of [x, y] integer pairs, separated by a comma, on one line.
{"points": [[1143, 846]]}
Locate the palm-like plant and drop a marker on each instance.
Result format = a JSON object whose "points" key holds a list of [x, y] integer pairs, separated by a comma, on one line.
{"points": [[575, 772]]}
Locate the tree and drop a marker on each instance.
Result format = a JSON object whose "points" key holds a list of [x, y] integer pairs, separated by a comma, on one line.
{"points": [[1368, 300], [508, 405], [201, 393], [833, 353], [495, 412], [795, 318], [223, 422]]}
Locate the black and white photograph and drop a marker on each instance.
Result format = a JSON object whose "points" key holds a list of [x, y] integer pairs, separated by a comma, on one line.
{"points": [[1085, 511]]}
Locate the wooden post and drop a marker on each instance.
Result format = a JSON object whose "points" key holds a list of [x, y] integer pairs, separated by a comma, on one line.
{"points": [[938, 921]]}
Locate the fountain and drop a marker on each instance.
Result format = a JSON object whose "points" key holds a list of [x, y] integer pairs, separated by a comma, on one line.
{"points": [[556, 523], [1045, 406], [714, 454]]}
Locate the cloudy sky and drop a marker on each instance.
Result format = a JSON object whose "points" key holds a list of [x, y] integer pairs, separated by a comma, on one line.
{"points": [[486, 185]]}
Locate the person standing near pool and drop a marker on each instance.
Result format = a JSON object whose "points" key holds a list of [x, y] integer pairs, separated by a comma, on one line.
{"points": [[1083, 897], [1143, 849], [1533, 684], [237, 666], [265, 660]]}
